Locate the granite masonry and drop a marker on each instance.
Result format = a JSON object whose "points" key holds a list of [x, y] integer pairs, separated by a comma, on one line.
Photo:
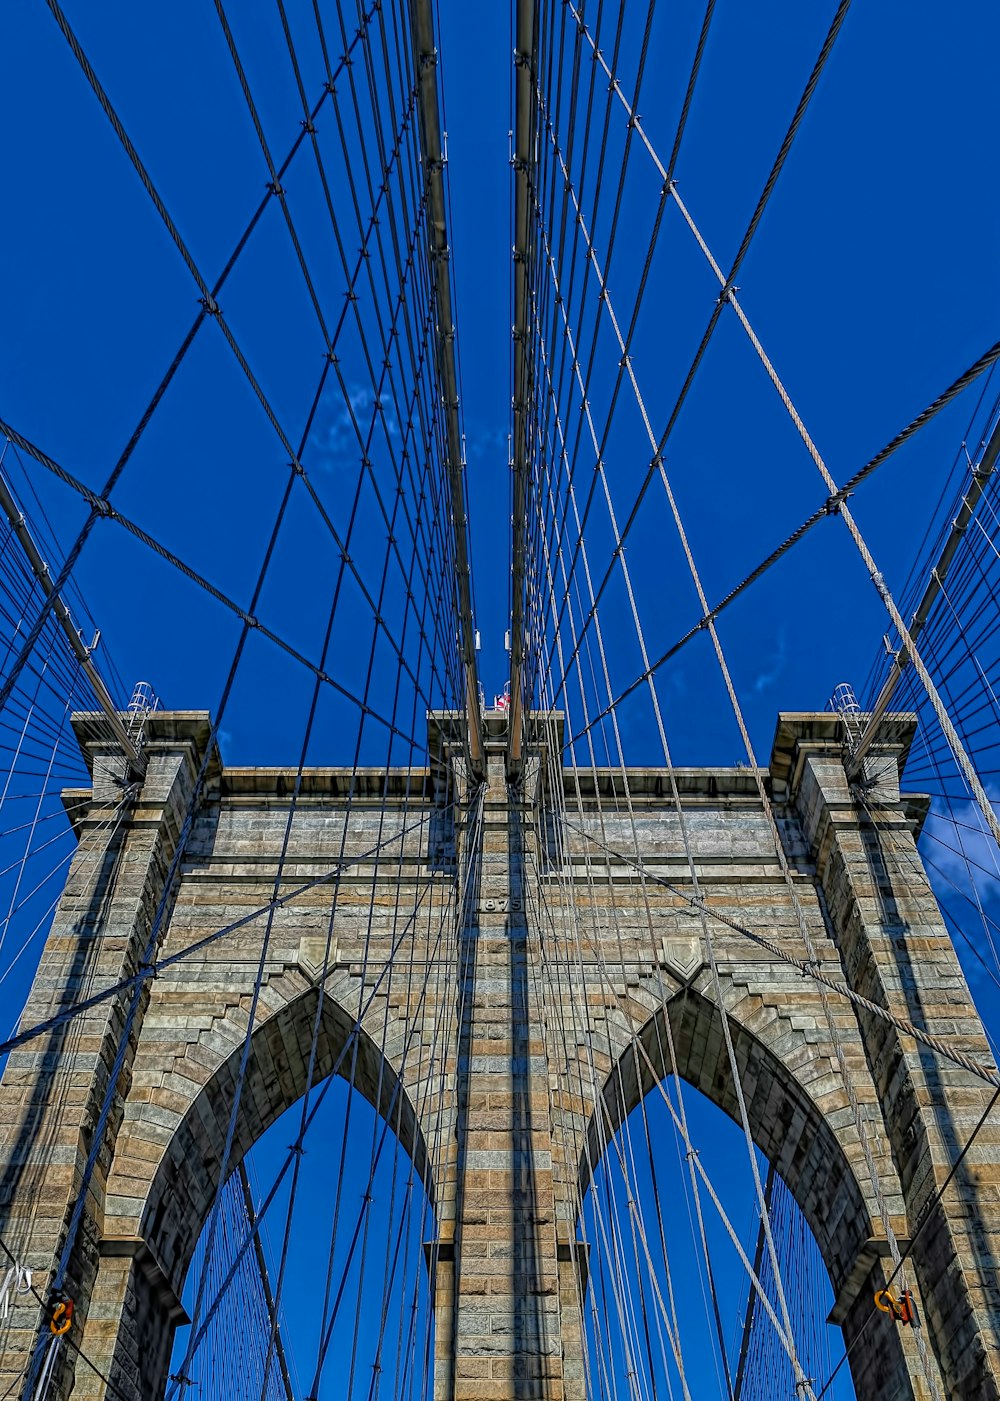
{"points": [[504, 987]]}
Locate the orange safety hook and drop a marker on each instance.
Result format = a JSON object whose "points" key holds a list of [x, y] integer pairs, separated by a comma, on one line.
{"points": [[62, 1317], [903, 1309]]}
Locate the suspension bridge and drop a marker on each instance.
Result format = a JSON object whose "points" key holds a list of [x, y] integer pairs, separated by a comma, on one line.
{"points": [[379, 1066]]}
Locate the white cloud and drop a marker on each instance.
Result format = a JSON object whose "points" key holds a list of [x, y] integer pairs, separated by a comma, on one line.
{"points": [[767, 678]]}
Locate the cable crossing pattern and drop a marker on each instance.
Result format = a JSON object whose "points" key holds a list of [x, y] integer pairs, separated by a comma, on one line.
{"points": [[366, 1040]]}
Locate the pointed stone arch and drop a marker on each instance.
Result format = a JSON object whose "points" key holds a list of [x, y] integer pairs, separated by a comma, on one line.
{"points": [[513, 1045], [168, 1166], [802, 1133]]}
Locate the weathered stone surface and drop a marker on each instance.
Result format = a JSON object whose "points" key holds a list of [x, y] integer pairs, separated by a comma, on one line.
{"points": [[519, 983]]}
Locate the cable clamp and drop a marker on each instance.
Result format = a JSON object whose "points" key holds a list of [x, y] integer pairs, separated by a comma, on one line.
{"points": [[428, 60], [102, 506], [296, 466], [309, 127], [252, 621], [833, 503], [879, 583], [275, 188], [210, 305], [726, 295]]}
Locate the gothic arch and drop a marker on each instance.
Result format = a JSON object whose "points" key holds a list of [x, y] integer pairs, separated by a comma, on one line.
{"points": [[815, 1157], [168, 1165]]}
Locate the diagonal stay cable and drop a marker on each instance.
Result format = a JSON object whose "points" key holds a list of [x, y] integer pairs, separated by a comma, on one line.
{"points": [[104, 508], [926, 1214], [808, 970], [766, 193], [147, 415], [160, 965], [376, 199], [829, 508], [210, 304], [345, 1050]]}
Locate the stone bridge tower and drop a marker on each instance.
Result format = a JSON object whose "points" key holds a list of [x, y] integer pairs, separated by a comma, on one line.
{"points": [[540, 1058]]}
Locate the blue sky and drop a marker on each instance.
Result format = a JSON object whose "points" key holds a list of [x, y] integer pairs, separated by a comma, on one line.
{"points": [[872, 282]]}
